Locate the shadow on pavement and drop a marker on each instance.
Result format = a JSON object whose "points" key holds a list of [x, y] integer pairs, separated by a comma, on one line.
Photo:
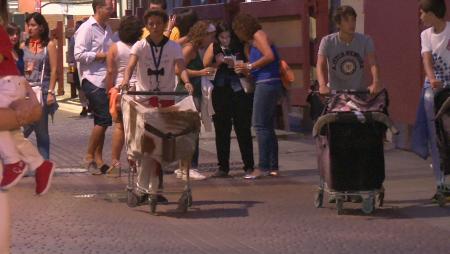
{"points": [[200, 209]]}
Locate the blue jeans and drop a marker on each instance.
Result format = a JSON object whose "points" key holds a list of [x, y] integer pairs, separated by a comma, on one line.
{"points": [[40, 128], [264, 109], [429, 111]]}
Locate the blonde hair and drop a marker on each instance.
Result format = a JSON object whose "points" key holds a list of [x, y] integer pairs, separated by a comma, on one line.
{"points": [[198, 32]]}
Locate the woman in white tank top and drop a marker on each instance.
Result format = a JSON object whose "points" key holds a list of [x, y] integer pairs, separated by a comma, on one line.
{"points": [[130, 30]]}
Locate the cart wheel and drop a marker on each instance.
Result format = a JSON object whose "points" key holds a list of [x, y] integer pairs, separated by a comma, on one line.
{"points": [[132, 199], [368, 205], [318, 199], [339, 205], [381, 199], [441, 199], [153, 201]]}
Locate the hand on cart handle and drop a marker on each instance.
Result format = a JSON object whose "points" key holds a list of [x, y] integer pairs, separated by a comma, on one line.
{"points": [[375, 88], [436, 84], [324, 90]]}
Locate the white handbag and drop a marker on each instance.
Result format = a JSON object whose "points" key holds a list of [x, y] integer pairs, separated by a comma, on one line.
{"points": [[37, 88]]}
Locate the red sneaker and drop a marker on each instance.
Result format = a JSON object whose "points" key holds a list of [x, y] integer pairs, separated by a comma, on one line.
{"points": [[12, 173], [44, 174]]}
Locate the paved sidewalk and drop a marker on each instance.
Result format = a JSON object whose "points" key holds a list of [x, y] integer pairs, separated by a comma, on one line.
{"points": [[88, 214]]}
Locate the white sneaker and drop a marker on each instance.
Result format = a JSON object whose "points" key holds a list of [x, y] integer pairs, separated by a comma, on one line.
{"points": [[194, 175], [178, 173]]}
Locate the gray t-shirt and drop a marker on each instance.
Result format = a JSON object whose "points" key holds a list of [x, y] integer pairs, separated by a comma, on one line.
{"points": [[346, 61]]}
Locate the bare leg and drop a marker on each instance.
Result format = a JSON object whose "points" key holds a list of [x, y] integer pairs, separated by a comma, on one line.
{"points": [[117, 142], [96, 144], [99, 150]]}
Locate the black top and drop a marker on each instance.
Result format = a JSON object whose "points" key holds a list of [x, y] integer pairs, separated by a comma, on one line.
{"points": [[236, 50]]}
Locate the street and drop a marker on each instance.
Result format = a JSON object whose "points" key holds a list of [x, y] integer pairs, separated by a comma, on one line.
{"points": [[88, 214]]}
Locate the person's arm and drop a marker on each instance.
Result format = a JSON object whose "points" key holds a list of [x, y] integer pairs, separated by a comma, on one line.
{"points": [[188, 55], [321, 70], [262, 43], [181, 70], [209, 56], [182, 40], [111, 66], [427, 60], [83, 47], [322, 67], [170, 26], [52, 55], [375, 87]]}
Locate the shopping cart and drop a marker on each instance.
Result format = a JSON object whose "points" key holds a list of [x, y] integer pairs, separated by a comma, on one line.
{"points": [[442, 121], [158, 134], [349, 140]]}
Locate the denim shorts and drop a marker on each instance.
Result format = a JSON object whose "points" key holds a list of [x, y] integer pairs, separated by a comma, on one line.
{"points": [[98, 102]]}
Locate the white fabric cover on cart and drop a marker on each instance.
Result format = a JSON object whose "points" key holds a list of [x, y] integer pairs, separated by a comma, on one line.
{"points": [[180, 118]]}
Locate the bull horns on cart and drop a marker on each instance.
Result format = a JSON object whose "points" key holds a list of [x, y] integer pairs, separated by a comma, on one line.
{"points": [[331, 117]]}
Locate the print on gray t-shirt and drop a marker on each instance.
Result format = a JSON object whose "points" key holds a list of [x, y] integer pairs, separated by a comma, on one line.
{"points": [[346, 61]]}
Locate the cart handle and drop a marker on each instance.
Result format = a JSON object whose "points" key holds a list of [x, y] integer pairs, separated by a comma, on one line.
{"points": [[157, 93]]}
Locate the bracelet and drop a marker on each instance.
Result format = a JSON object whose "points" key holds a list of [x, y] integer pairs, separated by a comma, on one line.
{"points": [[249, 66], [51, 92]]}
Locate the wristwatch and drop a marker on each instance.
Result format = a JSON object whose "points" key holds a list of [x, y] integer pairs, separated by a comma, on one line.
{"points": [[51, 92], [249, 66]]}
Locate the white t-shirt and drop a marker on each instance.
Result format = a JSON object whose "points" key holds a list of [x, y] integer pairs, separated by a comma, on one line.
{"points": [[122, 57], [171, 52], [439, 46]]}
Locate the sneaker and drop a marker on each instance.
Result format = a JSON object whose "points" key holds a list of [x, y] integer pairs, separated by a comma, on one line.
{"points": [[274, 173], [44, 175], [256, 174], [194, 175], [220, 174], [12, 174], [178, 173]]}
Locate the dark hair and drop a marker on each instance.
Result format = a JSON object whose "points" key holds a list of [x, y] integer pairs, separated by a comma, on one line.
{"points": [[247, 25], [40, 20], [437, 7], [186, 18], [156, 13], [343, 11], [130, 29], [159, 2], [11, 29], [99, 3], [221, 27], [78, 24]]}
